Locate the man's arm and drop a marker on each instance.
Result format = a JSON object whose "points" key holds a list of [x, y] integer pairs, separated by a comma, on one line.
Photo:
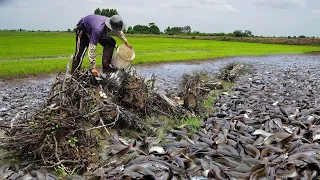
{"points": [[92, 55], [121, 36], [92, 52]]}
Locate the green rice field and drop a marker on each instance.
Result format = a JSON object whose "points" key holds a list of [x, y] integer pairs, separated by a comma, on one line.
{"points": [[31, 53]]}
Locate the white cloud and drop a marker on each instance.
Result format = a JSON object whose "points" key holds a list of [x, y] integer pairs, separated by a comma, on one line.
{"points": [[96, 1], [228, 8], [316, 11], [221, 5], [281, 4]]}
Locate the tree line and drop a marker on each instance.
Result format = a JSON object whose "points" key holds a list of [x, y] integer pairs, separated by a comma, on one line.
{"points": [[152, 28]]}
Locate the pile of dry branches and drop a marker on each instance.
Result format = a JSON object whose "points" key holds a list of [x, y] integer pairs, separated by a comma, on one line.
{"points": [[63, 132]]}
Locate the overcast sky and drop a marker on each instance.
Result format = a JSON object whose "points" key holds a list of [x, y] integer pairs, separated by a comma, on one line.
{"points": [[262, 17]]}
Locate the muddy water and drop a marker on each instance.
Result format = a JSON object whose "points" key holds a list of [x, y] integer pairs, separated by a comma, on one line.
{"points": [[20, 95], [168, 75]]}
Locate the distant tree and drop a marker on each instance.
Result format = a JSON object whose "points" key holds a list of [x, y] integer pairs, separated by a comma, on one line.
{"points": [[104, 12], [302, 36], [107, 12], [97, 11], [187, 29], [196, 32], [289, 37], [153, 29], [111, 12], [237, 33], [140, 29], [177, 30], [69, 30], [247, 33], [167, 30], [151, 24], [129, 30]]}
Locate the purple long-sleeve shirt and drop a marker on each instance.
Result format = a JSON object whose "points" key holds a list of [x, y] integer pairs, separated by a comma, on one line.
{"points": [[95, 27]]}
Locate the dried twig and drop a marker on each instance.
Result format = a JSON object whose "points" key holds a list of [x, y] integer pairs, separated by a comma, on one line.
{"points": [[105, 127], [61, 162]]}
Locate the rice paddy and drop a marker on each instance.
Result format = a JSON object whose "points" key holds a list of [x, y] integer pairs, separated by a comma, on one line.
{"points": [[31, 53]]}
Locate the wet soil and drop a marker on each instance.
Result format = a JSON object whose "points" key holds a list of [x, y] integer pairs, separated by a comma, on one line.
{"points": [[22, 94]]}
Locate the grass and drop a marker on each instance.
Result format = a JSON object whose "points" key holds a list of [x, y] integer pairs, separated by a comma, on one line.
{"points": [[207, 104], [30, 53], [169, 123], [193, 122]]}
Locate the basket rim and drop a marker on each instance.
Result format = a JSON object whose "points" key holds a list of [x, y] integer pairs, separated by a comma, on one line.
{"points": [[133, 56]]}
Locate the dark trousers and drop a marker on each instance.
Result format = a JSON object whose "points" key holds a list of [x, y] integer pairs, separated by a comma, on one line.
{"points": [[82, 43]]}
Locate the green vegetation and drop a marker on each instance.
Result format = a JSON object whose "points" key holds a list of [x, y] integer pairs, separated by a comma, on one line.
{"points": [[60, 172], [193, 122], [207, 104], [30, 53], [142, 29], [239, 33], [105, 12], [72, 141], [178, 30]]}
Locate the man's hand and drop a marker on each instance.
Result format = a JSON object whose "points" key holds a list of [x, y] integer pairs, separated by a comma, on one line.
{"points": [[128, 45], [94, 72]]}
